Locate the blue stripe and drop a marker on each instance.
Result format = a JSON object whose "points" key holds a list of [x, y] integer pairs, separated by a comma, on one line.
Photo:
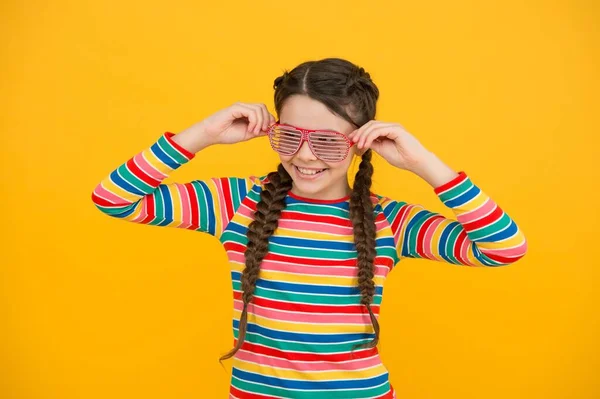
{"points": [[415, 219], [501, 235], [464, 197], [237, 228], [119, 181], [309, 385], [162, 156], [167, 205], [303, 337], [340, 205], [444, 240], [310, 244], [305, 288], [211, 223]]}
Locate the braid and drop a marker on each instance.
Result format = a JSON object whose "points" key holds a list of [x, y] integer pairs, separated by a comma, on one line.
{"points": [[266, 217], [363, 222]]}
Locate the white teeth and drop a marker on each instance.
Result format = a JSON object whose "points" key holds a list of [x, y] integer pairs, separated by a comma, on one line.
{"points": [[308, 171]]}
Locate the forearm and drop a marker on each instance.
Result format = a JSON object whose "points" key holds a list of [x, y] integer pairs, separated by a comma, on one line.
{"points": [[431, 169], [192, 139]]}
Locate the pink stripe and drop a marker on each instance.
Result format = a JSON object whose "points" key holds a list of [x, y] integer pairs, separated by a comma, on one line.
{"points": [[222, 211], [475, 214], [507, 252], [299, 225], [429, 237], [146, 167], [143, 208], [464, 251], [186, 217], [244, 210], [308, 366], [308, 318], [381, 271], [338, 271], [115, 199]]}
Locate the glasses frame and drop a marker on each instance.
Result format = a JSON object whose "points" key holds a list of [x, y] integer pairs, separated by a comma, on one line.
{"points": [[305, 137]]}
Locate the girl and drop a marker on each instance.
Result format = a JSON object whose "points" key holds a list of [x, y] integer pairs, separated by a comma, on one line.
{"points": [[309, 254]]}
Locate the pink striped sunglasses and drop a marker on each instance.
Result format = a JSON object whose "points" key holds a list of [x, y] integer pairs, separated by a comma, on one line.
{"points": [[326, 145]]}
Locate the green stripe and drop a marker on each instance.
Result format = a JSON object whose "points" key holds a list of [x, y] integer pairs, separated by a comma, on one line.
{"points": [[320, 210], [495, 227], [169, 149], [421, 217], [314, 253], [203, 214], [313, 299], [234, 237], [235, 192], [451, 242], [134, 180], [298, 346], [460, 189]]}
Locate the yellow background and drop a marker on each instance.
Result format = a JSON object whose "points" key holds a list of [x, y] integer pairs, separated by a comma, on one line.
{"points": [[94, 307]]}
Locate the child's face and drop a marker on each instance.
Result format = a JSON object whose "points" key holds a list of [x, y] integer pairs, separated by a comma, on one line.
{"points": [[332, 183]]}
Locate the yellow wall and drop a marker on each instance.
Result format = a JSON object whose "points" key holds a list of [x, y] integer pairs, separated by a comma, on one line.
{"points": [[94, 307]]}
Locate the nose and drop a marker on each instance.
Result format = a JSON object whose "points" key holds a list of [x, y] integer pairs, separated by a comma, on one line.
{"points": [[305, 154]]}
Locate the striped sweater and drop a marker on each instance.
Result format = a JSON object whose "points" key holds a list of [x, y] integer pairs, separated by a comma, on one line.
{"points": [[306, 316]]}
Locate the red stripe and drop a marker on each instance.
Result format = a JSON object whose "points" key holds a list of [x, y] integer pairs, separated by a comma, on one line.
{"points": [[307, 308], [149, 209], [101, 201], [245, 395], [310, 357], [399, 216], [226, 192], [305, 217], [137, 172], [194, 205], [452, 183], [462, 236], [236, 247], [503, 259], [184, 151], [420, 247], [485, 221]]}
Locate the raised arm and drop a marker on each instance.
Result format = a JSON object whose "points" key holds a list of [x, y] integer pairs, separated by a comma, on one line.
{"points": [[481, 235], [134, 192]]}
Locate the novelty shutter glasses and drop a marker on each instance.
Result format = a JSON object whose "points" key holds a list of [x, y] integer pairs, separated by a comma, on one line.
{"points": [[326, 145]]}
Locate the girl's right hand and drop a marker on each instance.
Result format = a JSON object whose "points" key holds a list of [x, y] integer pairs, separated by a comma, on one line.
{"points": [[236, 123]]}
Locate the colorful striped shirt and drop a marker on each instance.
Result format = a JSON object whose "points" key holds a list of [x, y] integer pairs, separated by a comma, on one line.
{"points": [[305, 317]]}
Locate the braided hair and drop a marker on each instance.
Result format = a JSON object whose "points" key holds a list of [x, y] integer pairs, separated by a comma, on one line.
{"points": [[348, 91]]}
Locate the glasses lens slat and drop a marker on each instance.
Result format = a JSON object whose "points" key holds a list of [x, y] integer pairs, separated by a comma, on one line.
{"points": [[285, 140], [326, 145]]}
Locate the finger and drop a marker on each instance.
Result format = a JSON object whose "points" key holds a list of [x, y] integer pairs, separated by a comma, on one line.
{"points": [[251, 114], [378, 132], [260, 118], [266, 118], [376, 145], [355, 135], [361, 139]]}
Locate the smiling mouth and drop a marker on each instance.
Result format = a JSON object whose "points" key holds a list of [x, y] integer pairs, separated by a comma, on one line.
{"points": [[309, 171]]}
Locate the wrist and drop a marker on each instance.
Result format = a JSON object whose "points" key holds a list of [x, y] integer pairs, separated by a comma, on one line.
{"points": [[193, 139], [431, 169]]}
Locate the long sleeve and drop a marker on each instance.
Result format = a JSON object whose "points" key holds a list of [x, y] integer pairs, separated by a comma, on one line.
{"points": [[481, 235], [134, 192]]}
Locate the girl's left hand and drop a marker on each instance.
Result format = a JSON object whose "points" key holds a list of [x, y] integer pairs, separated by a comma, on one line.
{"points": [[392, 142]]}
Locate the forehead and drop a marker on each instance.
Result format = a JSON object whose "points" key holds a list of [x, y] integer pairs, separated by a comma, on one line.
{"points": [[305, 112]]}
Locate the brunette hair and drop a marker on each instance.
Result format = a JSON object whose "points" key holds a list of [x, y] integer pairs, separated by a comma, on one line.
{"points": [[348, 91]]}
